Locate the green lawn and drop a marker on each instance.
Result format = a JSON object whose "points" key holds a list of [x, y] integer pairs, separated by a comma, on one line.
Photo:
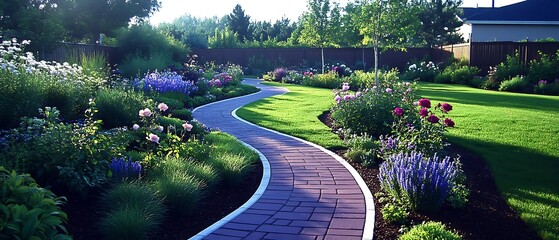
{"points": [[517, 134]]}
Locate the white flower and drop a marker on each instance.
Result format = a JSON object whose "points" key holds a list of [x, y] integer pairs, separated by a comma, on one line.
{"points": [[135, 127]]}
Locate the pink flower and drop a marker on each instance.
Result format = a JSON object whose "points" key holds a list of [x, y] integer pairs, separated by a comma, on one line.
{"points": [[160, 128], [398, 111], [345, 87], [162, 107], [358, 94], [153, 138], [187, 127], [448, 122], [433, 119], [423, 112], [145, 112], [338, 98], [135, 127], [389, 90], [446, 107], [424, 102], [349, 97]]}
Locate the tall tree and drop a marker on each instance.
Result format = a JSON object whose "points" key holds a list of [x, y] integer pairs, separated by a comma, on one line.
{"points": [[387, 24], [88, 18], [239, 23], [320, 25], [439, 21]]}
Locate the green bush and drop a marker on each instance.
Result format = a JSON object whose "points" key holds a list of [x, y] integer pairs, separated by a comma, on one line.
{"points": [[362, 149], [364, 80], [510, 68], [326, 80], [28, 211], [128, 224], [544, 87], [94, 64], [169, 121], [394, 213], [183, 114], [546, 68], [421, 71], [457, 73], [430, 231], [516, 84], [118, 108], [22, 90]]}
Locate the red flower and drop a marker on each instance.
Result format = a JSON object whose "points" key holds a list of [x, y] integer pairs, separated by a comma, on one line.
{"points": [[433, 119], [423, 112], [446, 107], [398, 111], [424, 102], [448, 122]]}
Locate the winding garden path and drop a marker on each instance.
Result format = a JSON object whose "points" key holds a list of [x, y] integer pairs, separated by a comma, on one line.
{"points": [[307, 192]]}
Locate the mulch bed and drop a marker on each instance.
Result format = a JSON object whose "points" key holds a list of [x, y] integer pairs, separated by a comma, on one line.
{"points": [[486, 215], [84, 214]]}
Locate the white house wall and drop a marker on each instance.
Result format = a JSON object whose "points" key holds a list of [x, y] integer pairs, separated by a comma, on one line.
{"points": [[465, 30], [515, 33]]}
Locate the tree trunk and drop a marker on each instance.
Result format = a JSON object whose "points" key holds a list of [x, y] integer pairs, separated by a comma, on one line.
{"points": [[375, 47], [322, 54]]}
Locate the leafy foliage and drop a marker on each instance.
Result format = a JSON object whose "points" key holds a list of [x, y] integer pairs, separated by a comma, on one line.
{"points": [[28, 211], [429, 230]]}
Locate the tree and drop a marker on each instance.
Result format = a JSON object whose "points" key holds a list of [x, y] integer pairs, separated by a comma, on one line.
{"points": [[239, 23], [224, 39], [86, 19], [386, 24], [37, 20], [320, 25], [439, 21]]}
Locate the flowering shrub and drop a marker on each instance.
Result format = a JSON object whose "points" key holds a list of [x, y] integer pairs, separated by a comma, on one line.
{"points": [[279, 73], [516, 84], [423, 71], [420, 181], [370, 110], [326, 80], [221, 79], [459, 74], [341, 69], [547, 87], [165, 82]]}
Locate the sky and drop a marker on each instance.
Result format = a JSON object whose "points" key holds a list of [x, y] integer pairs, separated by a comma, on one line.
{"points": [[260, 10]]}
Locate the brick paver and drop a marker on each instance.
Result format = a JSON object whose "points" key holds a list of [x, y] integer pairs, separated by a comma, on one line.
{"points": [[310, 195]]}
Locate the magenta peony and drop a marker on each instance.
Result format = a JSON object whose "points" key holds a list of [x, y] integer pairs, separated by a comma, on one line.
{"points": [[423, 112], [446, 107], [448, 122], [398, 111], [433, 119], [424, 102]]}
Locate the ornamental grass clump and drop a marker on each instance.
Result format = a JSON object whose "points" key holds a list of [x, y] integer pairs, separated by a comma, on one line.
{"points": [[424, 183]]}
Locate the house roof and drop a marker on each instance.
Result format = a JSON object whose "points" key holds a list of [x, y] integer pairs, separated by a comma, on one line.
{"points": [[529, 11]]}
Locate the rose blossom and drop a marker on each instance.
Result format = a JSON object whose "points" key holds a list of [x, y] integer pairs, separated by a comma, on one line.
{"points": [[187, 126], [433, 119], [423, 112], [160, 128], [448, 122], [162, 107], [338, 98], [398, 111], [135, 127], [389, 90], [446, 107], [152, 137], [345, 87], [145, 112], [424, 102], [358, 94]]}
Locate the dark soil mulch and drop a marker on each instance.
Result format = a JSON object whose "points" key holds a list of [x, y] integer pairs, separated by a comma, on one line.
{"points": [[486, 216], [84, 214]]}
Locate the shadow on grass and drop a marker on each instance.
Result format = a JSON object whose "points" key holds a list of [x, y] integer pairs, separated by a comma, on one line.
{"points": [[467, 95], [528, 180]]}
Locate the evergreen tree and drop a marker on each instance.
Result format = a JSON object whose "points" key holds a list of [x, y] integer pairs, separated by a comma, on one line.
{"points": [[239, 23], [439, 21]]}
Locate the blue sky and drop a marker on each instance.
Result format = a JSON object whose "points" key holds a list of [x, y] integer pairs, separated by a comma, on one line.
{"points": [[258, 9]]}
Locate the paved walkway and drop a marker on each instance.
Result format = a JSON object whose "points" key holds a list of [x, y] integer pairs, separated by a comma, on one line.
{"points": [[309, 194]]}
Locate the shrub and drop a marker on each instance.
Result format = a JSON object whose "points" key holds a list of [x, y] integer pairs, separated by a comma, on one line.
{"points": [[510, 68], [545, 87], [371, 112], [279, 74], [516, 84], [421, 71], [326, 80], [394, 213], [28, 211], [430, 231], [183, 114], [362, 150], [545, 68], [423, 183], [119, 107], [457, 73]]}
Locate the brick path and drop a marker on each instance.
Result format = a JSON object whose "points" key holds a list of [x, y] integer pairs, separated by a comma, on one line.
{"points": [[306, 193]]}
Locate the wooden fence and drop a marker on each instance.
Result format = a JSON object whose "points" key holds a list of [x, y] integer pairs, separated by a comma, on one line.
{"points": [[357, 58], [486, 54], [63, 52]]}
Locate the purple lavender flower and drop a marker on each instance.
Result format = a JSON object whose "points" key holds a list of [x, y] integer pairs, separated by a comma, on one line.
{"points": [[125, 169], [423, 182], [166, 82]]}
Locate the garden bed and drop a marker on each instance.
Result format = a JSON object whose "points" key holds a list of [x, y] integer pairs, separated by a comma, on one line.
{"points": [[486, 215]]}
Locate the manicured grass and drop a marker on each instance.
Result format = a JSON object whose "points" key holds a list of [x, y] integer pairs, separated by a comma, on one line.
{"points": [[517, 134], [295, 113]]}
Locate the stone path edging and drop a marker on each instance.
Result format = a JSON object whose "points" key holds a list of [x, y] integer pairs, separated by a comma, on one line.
{"points": [[368, 230]]}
